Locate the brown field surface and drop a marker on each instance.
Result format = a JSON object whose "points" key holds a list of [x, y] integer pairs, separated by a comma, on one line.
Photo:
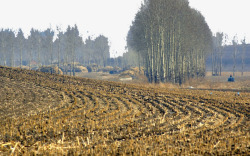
{"points": [[242, 83], [44, 114]]}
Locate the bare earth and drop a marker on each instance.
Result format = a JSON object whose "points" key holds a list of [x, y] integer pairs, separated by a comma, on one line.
{"points": [[48, 114]]}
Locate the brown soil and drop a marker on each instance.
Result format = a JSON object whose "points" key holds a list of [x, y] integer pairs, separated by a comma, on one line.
{"points": [[44, 114]]}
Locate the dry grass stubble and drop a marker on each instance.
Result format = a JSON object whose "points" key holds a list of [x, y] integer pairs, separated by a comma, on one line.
{"points": [[92, 117]]}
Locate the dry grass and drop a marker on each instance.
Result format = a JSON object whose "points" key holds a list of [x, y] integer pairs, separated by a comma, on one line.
{"points": [[50, 69], [227, 74], [44, 114], [106, 69], [220, 82], [209, 82], [81, 69]]}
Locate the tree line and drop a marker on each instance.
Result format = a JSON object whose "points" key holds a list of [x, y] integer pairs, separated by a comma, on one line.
{"points": [[228, 57], [171, 40], [52, 47]]}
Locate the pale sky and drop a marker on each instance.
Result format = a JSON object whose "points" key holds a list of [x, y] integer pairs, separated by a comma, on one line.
{"points": [[228, 16], [112, 18]]}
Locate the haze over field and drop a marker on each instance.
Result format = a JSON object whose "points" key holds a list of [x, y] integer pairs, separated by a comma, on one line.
{"points": [[112, 18]]}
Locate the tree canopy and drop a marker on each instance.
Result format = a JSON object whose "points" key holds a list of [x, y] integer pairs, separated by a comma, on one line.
{"points": [[51, 47], [172, 38]]}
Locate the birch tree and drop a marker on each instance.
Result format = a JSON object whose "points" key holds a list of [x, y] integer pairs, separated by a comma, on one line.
{"points": [[235, 43], [243, 44], [172, 38]]}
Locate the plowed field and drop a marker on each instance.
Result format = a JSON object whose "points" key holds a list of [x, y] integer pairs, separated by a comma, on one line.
{"points": [[43, 114]]}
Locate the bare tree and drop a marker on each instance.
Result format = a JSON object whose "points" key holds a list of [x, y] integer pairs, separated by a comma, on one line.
{"points": [[235, 43], [243, 42], [172, 38]]}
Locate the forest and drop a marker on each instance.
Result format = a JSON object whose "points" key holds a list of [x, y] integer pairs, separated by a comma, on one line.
{"points": [[51, 47], [171, 39], [233, 57]]}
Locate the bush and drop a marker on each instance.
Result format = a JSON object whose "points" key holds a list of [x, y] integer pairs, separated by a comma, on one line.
{"points": [[132, 72], [81, 69], [93, 68], [106, 69]]}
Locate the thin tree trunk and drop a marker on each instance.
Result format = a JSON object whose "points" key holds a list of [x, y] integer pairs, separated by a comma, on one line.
{"points": [[242, 60], [21, 55], [234, 59], [58, 54], [39, 52]]}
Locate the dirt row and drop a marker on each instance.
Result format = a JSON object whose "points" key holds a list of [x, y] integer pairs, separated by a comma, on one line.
{"points": [[54, 114]]}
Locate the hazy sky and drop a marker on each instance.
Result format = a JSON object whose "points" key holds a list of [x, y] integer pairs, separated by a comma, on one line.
{"points": [[112, 18], [228, 16]]}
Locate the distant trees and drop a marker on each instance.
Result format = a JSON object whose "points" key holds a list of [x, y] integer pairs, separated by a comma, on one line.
{"points": [[101, 50], [58, 42], [243, 43], [230, 57], [217, 53], [235, 57], [235, 43], [7, 42], [73, 43], [48, 45], [46, 48], [97, 50], [11, 47], [172, 39], [131, 58], [20, 44]]}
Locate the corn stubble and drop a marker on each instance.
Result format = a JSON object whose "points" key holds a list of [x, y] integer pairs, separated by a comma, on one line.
{"points": [[43, 114]]}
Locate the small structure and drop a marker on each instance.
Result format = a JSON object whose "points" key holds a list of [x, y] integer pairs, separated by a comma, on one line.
{"points": [[231, 79]]}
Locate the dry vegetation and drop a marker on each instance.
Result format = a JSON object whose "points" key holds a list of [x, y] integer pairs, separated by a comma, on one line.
{"points": [[221, 83], [59, 115]]}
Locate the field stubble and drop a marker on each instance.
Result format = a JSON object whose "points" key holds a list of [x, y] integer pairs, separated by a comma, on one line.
{"points": [[242, 83], [59, 115]]}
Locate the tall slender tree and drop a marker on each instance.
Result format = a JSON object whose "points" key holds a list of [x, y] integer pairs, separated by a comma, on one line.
{"points": [[243, 42], [172, 38], [40, 48], [74, 41], [59, 42], [4, 42], [20, 44], [235, 43], [49, 34], [101, 50]]}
